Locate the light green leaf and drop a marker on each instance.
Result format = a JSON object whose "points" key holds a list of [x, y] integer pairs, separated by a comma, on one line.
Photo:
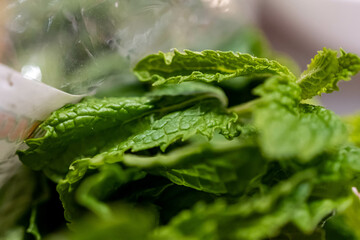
{"points": [[187, 89], [252, 218], [353, 124], [326, 70], [89, 192], [72, 210], [126, 223], [279, 92], [228, 169], [261, 216], [288, 129], [352, 216], [303, 136], [16, 233], [310, 214], [207, 66]]}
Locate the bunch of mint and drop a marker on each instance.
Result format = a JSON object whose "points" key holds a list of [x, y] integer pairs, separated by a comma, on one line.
{"points": [[221, 146]]}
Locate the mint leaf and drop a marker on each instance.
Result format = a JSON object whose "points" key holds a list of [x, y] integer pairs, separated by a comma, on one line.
{"points": [[219, 167], [207, 66], [126, 222], [309, 133], [353, 125], [91, 191], [256, 217], [205, 118], [288, 129], [326, 70], [260, 216], [229, 171], [188, 89], [77, 121]]}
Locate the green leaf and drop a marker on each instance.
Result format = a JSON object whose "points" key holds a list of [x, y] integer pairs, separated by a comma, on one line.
{"points": [[225, 168], [310, 214], [78, 121], [261, 216], [72, 210], [353, 124], [99, 186], [279, 92], [288, 129], [204, 118], [127, 222], [326, 70], [304, 136], [187, 89], [207, 66], [250, 218], [91, 191], [351, 216], [291, 233], [289, 172], [16, 233]]}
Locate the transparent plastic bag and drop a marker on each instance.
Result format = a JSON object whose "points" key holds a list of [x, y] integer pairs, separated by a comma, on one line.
{"points": [[75, 45]]}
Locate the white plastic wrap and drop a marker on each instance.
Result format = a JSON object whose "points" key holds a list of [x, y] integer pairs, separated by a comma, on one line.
{"points": [[24, 104]]}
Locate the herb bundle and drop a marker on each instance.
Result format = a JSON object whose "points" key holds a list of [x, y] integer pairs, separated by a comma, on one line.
{"points": [[200, 156]]}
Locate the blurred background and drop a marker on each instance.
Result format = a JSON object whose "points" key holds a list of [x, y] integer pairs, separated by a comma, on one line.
{"points": [[81, 45]]}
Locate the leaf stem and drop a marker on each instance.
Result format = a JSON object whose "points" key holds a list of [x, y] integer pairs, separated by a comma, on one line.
{"points": [[244, 107]]}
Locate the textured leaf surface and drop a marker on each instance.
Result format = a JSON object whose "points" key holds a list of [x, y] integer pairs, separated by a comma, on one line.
{"points": [[78, 121], [252, 218], [94, 124], [261, 216], [94, 115], [204, 118], [219, 167], [289, 172], [208, 66], [289, 129], [218, 172], [326, 70]]}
